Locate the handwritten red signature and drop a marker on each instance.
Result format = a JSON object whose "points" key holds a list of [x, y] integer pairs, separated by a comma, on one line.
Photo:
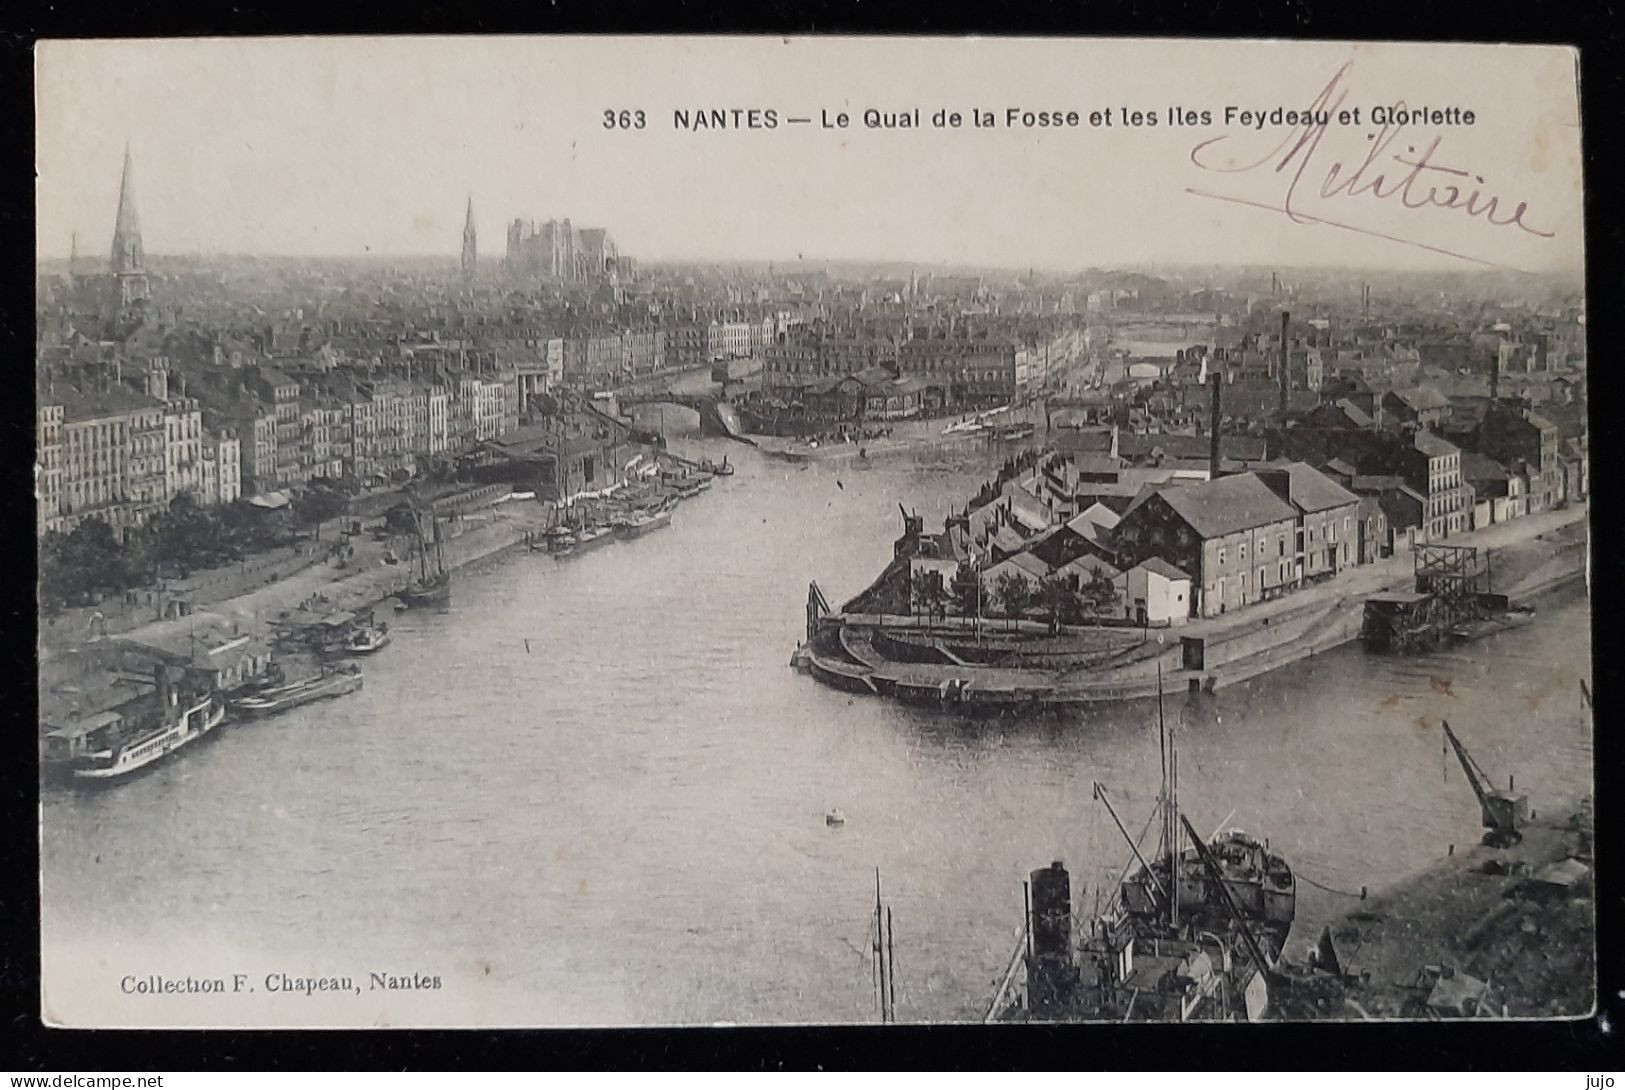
{"points": [[1397, 175]]}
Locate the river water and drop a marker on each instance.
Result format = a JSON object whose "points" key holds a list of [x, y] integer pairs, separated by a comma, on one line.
{"points": [[594, 792]]}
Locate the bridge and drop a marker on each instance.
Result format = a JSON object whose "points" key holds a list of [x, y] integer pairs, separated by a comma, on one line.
{"points": [[717, 417]]}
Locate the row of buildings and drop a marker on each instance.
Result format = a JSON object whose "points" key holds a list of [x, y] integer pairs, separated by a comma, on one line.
{"points": [[1185, 545], [1188, 528], [602, 355], [118, 439], [988, 362]]}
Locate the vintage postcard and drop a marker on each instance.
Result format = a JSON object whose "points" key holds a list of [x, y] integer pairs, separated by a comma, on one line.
{"points": [[678, 531]]}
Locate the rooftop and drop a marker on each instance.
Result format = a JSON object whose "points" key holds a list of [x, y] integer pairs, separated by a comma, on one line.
{"points": [[1158, 566], [1226, 505], [1311, 490]]}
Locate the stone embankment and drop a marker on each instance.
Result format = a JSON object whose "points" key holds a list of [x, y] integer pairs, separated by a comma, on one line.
{"points": [[1486, 932], [1528, 557]]}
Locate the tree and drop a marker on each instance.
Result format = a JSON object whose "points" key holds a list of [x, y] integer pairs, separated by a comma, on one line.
{"points": [[81, 564], [318, 505], [966, 589], [930, 595], [1100, 593], [248, 529], [184, 536], [1015, 594], [1059, 599]]}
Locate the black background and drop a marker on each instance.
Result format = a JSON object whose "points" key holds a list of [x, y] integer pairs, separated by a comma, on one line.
{"points": [[25, 1045]]}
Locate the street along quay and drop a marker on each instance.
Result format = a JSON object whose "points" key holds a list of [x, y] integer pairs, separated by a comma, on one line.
{"points": [[274, 644]]}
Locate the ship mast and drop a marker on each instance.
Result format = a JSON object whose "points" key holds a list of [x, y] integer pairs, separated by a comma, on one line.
{"points": [[1171, 807], [1162, 793]]}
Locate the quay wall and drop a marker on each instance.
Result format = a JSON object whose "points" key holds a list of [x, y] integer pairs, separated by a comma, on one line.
{"points": [[368, 588], [1235, 649]]}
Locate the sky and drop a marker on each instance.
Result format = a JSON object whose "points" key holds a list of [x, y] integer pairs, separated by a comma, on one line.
{"points": [[351, 146]]}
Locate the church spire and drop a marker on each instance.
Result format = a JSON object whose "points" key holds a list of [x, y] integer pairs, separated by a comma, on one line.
{"points": [[128, 256], [470, 240]]}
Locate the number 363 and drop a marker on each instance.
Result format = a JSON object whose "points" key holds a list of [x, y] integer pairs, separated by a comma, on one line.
{"points": [[623, 119]]}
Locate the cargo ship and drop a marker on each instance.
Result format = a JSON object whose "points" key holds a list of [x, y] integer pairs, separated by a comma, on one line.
{"points": [[1192, 934]]}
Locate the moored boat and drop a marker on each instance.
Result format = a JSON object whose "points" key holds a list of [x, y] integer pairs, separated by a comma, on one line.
{"points": [[718, 469], [1192, 934], [282, 697], [645, 523], [555, 541], [587, 539], [434, 591], [153, 744], [432, 587], [366, 638]]}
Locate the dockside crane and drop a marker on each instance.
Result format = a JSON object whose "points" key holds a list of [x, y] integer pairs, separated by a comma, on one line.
{"points": [[1503, 811]]}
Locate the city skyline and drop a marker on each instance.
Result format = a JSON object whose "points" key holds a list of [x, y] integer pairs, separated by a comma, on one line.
{"points": [[305, 156]]}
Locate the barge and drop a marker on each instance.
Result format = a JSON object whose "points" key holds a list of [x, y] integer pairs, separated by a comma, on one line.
{"points": [[321, 687]]}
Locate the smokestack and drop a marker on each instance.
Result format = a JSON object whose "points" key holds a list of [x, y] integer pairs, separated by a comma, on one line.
{"points": [[1216, 380], [1285, 358], [166, 695]]}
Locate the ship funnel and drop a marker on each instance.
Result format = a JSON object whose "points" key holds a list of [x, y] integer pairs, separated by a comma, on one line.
{"points": [[1052, 974]]}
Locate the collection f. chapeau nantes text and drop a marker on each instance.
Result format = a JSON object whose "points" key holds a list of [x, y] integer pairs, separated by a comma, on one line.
{"points": [[746, 118], [155, 984]]}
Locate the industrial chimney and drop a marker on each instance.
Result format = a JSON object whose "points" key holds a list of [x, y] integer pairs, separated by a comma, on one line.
{"points": [[1216, 380], [1285, 359]]}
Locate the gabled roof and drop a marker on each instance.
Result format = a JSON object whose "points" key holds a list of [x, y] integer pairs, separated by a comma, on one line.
{"points": [[1026, 510], [1226, 505], [1340, 467], [1093, 518], [1433, 446], [1024, 562], [1421, 399], [1481, 467], [1158, 566], [1310, 490], [1356, 416], [1088, 565], [1376, 482]]}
